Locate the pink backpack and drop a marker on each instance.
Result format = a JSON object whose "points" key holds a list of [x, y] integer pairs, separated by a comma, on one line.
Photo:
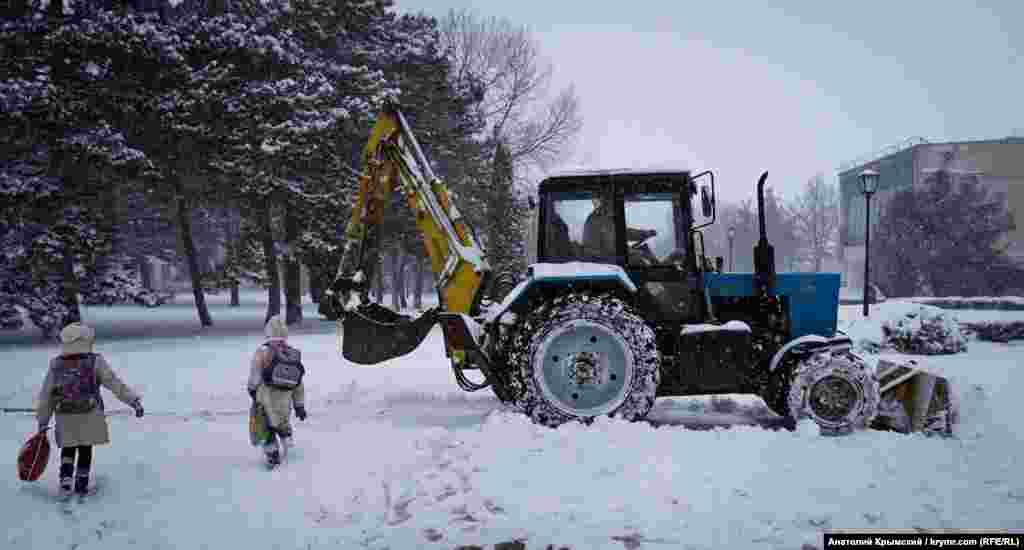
{"points": [[76, 387]]}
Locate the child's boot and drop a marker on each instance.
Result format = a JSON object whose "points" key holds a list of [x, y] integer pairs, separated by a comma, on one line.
{"points": [[82, 483], [286, 445], [67, 470], [270, 449]]}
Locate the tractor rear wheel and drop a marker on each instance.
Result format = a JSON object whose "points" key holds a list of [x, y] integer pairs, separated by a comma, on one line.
{"points": [[584, 356], [836, 389]]}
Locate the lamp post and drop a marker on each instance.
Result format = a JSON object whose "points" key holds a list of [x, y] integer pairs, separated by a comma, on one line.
{"points": [[732, 236], [868, 186]]}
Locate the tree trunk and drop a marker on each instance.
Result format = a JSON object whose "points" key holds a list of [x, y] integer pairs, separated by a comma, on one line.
{"points": [[396, 267], [292, 270], [403, 280], [233, 231], [145, 271], [55, 9], [315, 284], [69, 295], [17, 8], [417, 299], [378, 287], [185, 225], [270, 264]]}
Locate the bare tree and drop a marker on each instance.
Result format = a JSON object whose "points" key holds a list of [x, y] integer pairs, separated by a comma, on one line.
{"points": [[501, 64], [816, 218]]}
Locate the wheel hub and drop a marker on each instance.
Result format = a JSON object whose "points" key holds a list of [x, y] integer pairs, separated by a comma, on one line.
{"points": [[832, 398], [587, 368], [584, 369]]}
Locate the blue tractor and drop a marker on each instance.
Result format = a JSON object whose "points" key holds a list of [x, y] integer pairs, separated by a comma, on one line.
{"points": [[619, 305]]}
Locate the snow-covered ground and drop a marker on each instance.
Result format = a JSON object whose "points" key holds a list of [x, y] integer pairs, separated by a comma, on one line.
{"points": [[396, 456]]}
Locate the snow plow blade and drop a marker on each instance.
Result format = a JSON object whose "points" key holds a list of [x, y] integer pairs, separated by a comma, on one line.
{"points": [[372, 334], [914, 400]]}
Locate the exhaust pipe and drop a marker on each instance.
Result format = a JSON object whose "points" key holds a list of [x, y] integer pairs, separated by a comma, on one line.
{"points": [[764, 254]]}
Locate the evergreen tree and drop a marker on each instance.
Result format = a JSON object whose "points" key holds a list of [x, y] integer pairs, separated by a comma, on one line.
{"points": [[947, 236], [64, 157]]}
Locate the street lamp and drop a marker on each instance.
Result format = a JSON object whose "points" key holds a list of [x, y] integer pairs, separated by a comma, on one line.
{"points": [[868, 186], [732, 236]]}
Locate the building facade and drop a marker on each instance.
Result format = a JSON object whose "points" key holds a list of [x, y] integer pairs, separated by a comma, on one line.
{"points": [[998, 164]]}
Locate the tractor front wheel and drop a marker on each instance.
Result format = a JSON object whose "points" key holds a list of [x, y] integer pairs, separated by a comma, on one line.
{"points": [[584, 356], [836, 389]]}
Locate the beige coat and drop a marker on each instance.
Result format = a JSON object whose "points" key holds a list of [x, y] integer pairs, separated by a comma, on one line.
{"points": [[87, 428], [277, 403]]}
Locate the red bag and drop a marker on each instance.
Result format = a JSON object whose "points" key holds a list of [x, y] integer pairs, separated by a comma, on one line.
{"points": [[33, 456]]}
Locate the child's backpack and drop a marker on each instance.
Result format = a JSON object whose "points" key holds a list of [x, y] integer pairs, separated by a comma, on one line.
{"points": [[76, 388], [285, 370]]}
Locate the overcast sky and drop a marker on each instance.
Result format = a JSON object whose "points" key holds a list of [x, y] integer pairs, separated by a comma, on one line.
{"points": [[739, 87]]}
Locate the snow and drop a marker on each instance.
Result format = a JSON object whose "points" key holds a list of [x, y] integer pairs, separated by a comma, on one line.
{"points": [[897, 323], [657, 169], [984, 299], [560, 271], [580, 270], [738, 326], [397, 456]]}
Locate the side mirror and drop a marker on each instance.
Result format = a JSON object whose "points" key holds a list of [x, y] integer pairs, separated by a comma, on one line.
{"points": [[707, 206], [707, 198]]}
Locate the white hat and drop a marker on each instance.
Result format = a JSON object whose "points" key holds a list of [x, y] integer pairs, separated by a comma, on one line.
{"points": [[276, 328], [77, 338]]}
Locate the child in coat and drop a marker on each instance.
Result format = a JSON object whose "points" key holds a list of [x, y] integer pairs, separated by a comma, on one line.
{"points": [[71, 390], [277, 396]]}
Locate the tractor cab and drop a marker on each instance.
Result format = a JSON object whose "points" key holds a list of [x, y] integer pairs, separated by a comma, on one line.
{"points": [[643, 222]]}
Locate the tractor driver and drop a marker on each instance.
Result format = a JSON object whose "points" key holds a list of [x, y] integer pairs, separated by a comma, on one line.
{"points": [[599, 232]]}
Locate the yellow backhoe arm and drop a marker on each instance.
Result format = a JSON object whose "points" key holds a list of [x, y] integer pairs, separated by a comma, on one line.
{"points": [[391, 157]]}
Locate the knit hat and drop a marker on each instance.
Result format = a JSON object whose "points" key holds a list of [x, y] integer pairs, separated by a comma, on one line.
{"points": [[276, 328], [77, 338]]}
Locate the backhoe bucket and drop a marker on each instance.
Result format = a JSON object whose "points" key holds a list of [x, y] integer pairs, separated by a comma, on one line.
{"points": [[373, 333]]}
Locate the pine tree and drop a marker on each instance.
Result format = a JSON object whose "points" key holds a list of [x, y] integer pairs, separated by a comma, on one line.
{"points": [[945, 236], [64, 160]]}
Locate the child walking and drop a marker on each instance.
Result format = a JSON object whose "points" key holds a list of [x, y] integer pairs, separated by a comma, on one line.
{"points": [[275, 382], [71, 389]]}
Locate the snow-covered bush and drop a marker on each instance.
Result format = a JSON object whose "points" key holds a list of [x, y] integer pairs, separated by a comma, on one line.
{"points": [[996, 331], [10, 317], [925, 330], [1006, 303], [907, 327]]}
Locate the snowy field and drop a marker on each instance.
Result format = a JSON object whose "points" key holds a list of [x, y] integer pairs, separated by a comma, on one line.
{"points": [[396, 456]]}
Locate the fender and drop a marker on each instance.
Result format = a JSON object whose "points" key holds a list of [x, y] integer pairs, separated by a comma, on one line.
{"points": [[561, 274], [814, 340]]}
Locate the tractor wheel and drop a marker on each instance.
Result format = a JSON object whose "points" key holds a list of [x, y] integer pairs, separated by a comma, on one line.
{"points": [[836, 389], [776, 392], [583, 356]]}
